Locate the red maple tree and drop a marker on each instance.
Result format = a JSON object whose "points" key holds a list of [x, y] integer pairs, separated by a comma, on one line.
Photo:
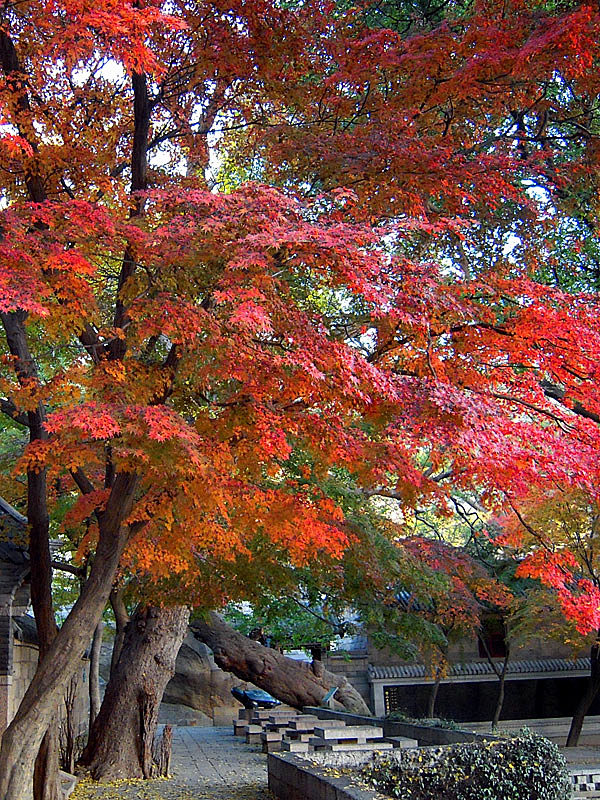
{"points": [[198, 337]]}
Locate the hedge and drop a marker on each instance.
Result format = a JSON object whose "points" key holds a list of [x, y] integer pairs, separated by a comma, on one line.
{"points": [[522, 767]]}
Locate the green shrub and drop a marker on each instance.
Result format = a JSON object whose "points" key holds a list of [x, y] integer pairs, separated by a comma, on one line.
{"points": [[430, 722], [524, 767]]}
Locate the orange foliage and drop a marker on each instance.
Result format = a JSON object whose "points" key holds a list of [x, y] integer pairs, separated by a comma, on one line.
{"points": [[198, 338]]}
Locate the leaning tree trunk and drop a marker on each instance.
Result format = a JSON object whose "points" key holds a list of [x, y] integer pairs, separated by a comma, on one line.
{"points": [[293, 682], [591, 691], [120, 743], [21, 740]]}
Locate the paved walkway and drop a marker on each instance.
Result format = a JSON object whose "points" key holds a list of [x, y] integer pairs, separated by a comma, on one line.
{"points": [[207, 764], [210, 762]]}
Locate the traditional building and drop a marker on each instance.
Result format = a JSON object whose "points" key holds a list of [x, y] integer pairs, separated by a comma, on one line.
{"points": [[18, 653], [543, 679], [18, 634]]}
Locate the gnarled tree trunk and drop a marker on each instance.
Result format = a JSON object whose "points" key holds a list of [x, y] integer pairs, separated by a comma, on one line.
{"points": [[120, 744], [293, 682], [21, 740]]}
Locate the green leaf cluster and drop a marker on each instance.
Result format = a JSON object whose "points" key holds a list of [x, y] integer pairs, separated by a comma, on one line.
{"points": [[523, 767]]}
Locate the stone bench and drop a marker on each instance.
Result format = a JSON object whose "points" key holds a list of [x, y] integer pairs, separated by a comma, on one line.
{"points": [[359, 733], [344, 738]]}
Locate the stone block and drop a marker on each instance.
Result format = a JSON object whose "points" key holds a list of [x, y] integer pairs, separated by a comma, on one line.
{"points": [[260, 714], [282, 716], [401, 741], [334, 747], [271, 736], [271, 747], [294, 747]]}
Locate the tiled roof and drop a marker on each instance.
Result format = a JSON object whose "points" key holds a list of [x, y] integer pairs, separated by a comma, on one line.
{"points": [[25, 629], [14, 559], [475, 668]]}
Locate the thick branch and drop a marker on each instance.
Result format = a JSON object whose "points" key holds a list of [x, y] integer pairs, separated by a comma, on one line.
{"points": [[557, 393], [8, 407], [294, 682]]}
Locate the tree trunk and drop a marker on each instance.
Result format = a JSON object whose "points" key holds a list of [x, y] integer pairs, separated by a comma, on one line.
{"points": [[68, 728], [591, 690], [94, 678], [293, 682], [22, 739], [121, 619], [434, 693], [500, 700], [120, 744]]}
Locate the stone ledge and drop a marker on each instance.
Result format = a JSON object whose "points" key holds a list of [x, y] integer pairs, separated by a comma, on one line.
{"points": [[295, 778]]}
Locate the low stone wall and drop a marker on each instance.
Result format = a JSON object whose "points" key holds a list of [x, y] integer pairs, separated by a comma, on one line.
{"points": [[25, 659], [294, 778], [425, 735]]}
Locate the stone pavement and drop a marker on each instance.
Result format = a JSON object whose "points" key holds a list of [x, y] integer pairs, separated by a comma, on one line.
{"points": [[207, 764]]}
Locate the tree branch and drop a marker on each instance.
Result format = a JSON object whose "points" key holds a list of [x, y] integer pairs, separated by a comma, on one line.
{"points": [[8, 407]]}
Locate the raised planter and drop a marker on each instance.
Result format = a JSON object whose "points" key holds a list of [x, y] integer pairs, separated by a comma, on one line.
{"points": [[294, 778]]}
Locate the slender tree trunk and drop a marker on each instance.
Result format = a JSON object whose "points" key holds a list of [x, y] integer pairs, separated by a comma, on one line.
{"points": [[120, 744], [22, 739], [121, 619], [293, 682], [502, 683], [46, 783], [69, 735], [591, 691], [94, 677], [499, 673], [434, 693]]}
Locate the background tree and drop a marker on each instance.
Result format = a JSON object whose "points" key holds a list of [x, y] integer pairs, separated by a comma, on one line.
{"points": [[558, 535]]}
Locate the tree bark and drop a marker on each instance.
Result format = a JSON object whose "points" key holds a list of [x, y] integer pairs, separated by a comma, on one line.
{"points": [[45, 770], [121, 619], [591, 690], [293, 682], [22, 739], [120, 744], [94, 677]]}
